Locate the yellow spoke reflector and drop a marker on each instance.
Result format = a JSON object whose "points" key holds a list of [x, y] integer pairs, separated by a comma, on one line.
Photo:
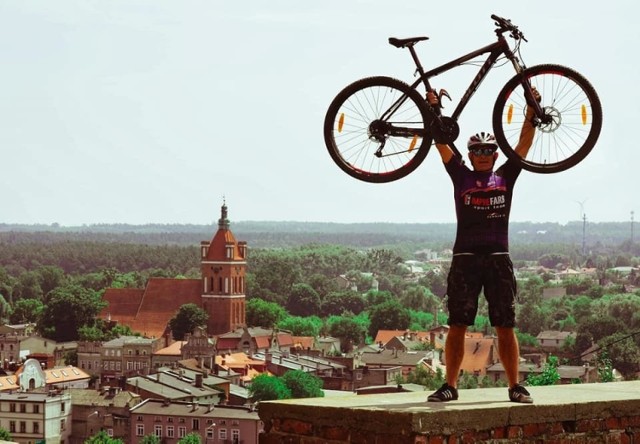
{"points": [[412, 145], [584, 114], [510, 113], [340, 122]]}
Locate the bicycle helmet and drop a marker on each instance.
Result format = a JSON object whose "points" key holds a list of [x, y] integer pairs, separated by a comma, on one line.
{"points": [[482, 140]]}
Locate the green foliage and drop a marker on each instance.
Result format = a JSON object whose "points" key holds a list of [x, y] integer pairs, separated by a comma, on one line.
{"points": [[66, 310], [350, 329], [26, 311], [605, 367], [423, 376], [188, 317], [623, 352], [549, 374], [190, 438], [421, 320], [5, 435], [260, 313], [302, 384], [265, 387], [303, 301], [389, 315], [340, 302], [301, 326], [102, 438], [150, 439]]}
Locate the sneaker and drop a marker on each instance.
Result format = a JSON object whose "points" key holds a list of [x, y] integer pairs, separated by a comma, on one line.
{"points": [[520, 394], [444, 393]]}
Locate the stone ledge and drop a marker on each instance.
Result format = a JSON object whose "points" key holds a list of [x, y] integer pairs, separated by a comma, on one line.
{"points": [[480, 415]]}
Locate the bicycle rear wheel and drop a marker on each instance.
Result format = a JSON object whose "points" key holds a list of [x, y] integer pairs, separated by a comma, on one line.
{"points": [[375, 129], [575, 118]]}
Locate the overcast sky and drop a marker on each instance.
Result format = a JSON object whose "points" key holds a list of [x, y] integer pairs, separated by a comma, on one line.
{"points": [[132, 111]]}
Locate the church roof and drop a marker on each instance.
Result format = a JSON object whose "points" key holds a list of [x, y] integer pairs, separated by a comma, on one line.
{"points": [[221, 239], [148, 311]]}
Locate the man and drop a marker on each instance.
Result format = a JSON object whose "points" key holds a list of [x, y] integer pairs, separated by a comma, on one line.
{"points": [[481, 253]]}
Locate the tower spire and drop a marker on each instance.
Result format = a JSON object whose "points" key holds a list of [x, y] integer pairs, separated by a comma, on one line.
{"points": [[223, 222]]}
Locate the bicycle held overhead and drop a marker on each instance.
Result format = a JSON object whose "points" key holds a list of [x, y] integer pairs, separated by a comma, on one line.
{"points": [[379, 129]]}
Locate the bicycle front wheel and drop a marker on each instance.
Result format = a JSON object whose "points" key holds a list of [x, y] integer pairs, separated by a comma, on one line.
{"points": [[375, 129], [572, 126]]}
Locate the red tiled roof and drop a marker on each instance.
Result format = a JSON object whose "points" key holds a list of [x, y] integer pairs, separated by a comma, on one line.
{"points": [[478, 354], [218, 246], [148, 311], [384, 336]]}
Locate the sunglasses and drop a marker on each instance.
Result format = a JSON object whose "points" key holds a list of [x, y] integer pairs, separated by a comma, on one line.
{"points": [[483, 151]]}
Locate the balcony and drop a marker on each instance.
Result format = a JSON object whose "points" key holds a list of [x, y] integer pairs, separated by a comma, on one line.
{"points": [[581, 413]]}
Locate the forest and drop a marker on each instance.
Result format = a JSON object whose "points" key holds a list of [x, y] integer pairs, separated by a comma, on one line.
{"points": [[55, 278]]}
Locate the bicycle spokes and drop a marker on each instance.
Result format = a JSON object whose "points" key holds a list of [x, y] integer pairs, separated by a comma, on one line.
{"points": [[568, 124]]}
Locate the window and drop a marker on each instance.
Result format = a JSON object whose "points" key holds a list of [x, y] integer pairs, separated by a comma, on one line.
{"points": [[195, 424], [157, 430], [139, 429], [12, 407], [235, 435], [222, 434], [170, 432], [36, 408], [62, 406], [63, 424], [181, 420], [210, 433], [23, 408], [139, 418], [182, 432], [170, 419], [36, 427], [110, 432], [12, 426]]}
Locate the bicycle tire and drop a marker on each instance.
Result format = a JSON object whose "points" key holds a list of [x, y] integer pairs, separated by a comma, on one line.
{"points": [[349, 133], [574, 130]]}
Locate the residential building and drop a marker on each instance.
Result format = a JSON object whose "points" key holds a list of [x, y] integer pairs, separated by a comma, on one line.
{"points": [[172, 420], [253, 340], [553, 340], [104, 409], [33, 412], [127, 355], [178, 385]]}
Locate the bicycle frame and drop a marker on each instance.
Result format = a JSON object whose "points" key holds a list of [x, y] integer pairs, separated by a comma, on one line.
{"points": [[495, 50]]}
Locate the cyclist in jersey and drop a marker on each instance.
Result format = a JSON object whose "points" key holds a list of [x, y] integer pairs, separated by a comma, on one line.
{"points": [[481, 259]]}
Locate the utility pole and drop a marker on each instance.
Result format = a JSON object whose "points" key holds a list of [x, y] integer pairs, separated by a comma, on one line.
{"points": [[631, 227]]}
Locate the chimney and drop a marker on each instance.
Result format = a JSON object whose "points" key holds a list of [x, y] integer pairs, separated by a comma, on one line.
{"points": [[199, 380], [209, 408]]}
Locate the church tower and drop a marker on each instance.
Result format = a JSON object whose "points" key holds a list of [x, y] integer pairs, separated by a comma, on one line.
{"points": [[223, 263]]}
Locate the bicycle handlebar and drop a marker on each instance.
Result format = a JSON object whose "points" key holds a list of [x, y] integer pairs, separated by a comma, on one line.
{"points": [[505, 25]]}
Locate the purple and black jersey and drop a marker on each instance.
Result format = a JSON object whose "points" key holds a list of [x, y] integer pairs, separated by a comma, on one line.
{"points": [[483, 202]]}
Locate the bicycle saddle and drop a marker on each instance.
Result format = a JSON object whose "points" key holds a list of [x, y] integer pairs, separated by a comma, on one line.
{"points": [[403, 43]]}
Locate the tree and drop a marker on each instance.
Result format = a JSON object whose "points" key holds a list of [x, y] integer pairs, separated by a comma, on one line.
{"points": [[348, 329], [260, 313], [339, 302], [5, 435], [389, 315], [303, 301], [102, 438], [188, 317], [302, 384], [66, 310], [5, 309], [26, 311], [150, 439], [265, 387], [549, 374], [28, 286], [301, 326], [191, 438]]}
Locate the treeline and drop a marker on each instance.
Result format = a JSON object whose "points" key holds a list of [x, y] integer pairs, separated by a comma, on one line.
{"points": [[288, 234]]}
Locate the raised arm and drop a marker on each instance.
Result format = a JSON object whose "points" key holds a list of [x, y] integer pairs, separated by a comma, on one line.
{"points": [[446, 153], [528, 130]]}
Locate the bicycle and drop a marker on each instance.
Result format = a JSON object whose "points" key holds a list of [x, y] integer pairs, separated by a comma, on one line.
{"points": [[379, 129]]}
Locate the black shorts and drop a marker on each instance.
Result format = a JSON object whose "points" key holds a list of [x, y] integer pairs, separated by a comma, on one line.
{"points": [[471, 273]]}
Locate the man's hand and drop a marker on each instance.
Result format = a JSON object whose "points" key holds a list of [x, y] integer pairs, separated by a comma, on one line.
{"points": [[432, 98]]}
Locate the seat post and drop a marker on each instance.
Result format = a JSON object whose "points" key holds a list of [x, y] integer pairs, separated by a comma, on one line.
{"points": [[414, 55]]}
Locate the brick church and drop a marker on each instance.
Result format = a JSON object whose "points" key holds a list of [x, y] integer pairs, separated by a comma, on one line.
{"points": [[219, 291]]}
